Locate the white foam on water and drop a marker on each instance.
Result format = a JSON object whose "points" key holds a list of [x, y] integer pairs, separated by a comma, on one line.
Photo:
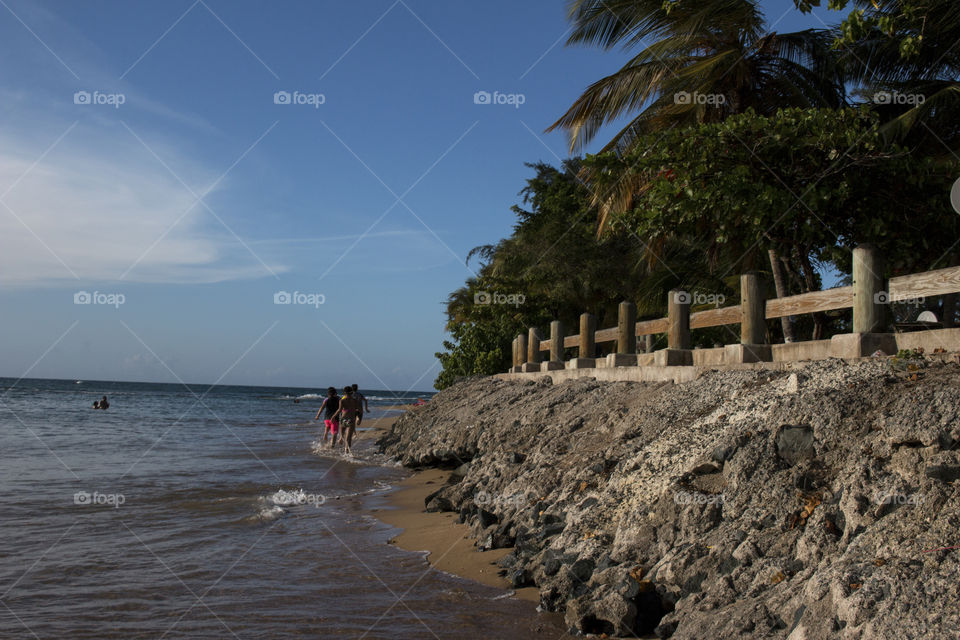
{"points": [[268, 514]]}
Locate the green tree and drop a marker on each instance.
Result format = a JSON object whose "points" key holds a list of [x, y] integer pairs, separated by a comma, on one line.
{"points": [[809, 184], [555, 261]]}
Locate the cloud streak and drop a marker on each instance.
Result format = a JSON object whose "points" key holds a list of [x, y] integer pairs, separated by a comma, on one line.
{"points": [[97, 203]]}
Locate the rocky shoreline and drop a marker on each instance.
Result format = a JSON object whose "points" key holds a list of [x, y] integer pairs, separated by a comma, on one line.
{"points": [[819, 503]]}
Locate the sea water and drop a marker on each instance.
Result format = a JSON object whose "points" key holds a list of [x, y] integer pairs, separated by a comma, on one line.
{"points": [[198, 512]]}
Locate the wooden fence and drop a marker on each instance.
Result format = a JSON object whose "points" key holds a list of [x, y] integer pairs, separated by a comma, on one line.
{"points": [[868, 296]]}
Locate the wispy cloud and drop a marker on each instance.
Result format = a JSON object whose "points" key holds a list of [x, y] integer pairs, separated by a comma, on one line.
{"points": [[96, 202]]}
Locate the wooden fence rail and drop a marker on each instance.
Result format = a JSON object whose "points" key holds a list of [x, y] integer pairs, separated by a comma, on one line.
{"points": [[868, 296]]}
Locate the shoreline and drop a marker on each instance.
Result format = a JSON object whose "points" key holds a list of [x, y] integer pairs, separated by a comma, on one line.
{"points": [[447, 542]]}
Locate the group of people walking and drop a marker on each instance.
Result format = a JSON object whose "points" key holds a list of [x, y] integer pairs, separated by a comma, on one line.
{"points": [[342, 415]]}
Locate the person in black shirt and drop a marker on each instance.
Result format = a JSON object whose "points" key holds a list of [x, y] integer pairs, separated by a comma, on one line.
{"points": [[331, 406]]}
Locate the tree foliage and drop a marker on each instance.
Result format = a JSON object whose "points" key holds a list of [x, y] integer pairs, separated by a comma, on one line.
{"points": [[811, 184]]}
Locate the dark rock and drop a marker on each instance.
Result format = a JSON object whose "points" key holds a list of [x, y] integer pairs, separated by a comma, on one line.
{"points": [[944, 472], [517, 458], [520, 578], [552, 566], [795, 444], [437, 501], [581, 569], [486, 518]]}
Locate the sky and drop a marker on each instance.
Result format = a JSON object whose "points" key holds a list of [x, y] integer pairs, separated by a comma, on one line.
{"points": [[263, 193]]}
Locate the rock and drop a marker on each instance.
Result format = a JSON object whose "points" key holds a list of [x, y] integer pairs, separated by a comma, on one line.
{"points": [[520, 578], [459, 473], [436, 501], [795, 444], [581, 569], [705, 468], [486, 518], [943, 472], [793, 384], [786, 531]]}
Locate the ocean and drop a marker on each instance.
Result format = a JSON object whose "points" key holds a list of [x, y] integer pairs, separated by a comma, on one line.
{"points": [[197, 512]]}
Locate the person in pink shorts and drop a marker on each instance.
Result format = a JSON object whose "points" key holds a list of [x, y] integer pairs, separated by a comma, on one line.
{"points": [[331, 407]]}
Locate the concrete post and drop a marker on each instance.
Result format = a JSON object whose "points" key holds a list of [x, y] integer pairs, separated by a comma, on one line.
{"points": [[678, 317], [868, 308], [588, 327], [753, 322], [627, 328]]}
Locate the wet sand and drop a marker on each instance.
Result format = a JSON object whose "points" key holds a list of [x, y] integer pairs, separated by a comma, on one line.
{"points": [[447, 541]]}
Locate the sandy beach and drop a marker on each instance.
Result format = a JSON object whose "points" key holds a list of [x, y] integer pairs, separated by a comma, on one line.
{"points": [[440, 534]]}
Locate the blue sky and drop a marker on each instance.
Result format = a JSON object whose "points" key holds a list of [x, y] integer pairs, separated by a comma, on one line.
{"points": [[149, 155]]}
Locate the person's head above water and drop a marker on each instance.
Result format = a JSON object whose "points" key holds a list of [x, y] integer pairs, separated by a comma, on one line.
{"points": [[348, 390], [354, 387], [331, 391]]}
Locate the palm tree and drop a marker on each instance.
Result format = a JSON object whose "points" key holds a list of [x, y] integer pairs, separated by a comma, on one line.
{"points": [[898, 56], [700, 61]]}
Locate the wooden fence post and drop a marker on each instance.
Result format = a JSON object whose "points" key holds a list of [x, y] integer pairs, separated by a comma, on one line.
{"points": [[678, 351], [753, 345], [556, 341], [678, 317], [588, 327], [753, 323], [627, 328], [522, 349], [513, 346], [868, 304], [533, 347]]}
